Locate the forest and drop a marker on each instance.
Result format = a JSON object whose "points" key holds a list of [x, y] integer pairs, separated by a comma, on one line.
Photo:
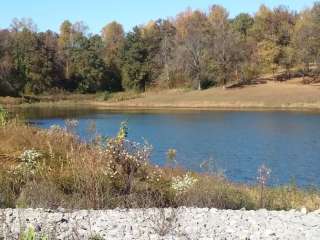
{"points": [[195, 49]]}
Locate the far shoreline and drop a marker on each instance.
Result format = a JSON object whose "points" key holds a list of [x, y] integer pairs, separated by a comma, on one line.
{"points": [[271, 96], [97, 105]]}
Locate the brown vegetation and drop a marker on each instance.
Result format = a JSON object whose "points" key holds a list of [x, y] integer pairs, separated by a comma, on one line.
{"points": [[54, 168]]}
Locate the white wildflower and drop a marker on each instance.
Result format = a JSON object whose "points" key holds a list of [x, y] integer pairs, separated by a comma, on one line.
{"points": [[29, 162], [263, 175], [55, 127], [182, 184], [71, 124], [30, 156]]}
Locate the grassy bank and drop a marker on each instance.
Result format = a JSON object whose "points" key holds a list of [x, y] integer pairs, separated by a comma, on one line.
{"points": [[290, 95], [54, 168], [270, 95]]}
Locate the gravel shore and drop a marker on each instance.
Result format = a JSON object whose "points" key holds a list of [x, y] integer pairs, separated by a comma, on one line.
{"points": [[182, 223]]}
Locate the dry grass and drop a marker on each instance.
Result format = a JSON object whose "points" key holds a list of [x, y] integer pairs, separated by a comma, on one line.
{"points": [[118, 96], [115, 173], [283, 95], [10, 101]]}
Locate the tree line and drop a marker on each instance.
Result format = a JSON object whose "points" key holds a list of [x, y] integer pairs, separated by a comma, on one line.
{"points": [[196, 49]]}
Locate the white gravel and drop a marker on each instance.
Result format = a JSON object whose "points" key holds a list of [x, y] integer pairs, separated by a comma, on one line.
{"points": [[182, 223]]}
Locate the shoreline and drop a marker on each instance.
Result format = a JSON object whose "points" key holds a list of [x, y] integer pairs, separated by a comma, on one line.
{"points": [[218, 107], [289, 96], [300, 107]]}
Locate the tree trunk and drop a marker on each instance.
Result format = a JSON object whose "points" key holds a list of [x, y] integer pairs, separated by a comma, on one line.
{"points": [[167, 74], [199, 84]]}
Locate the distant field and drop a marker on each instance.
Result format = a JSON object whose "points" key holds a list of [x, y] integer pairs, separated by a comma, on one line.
{"points": [[291, 94]]}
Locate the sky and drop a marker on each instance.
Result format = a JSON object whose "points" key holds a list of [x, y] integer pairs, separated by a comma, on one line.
{"points": [[49, 14]]}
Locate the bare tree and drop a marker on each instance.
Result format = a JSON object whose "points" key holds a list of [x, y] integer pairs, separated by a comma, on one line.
{"points": [[192, 44]]}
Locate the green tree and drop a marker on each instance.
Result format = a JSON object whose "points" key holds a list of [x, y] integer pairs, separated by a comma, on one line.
{"points": [[135, 73], [45, 69], [23, 47], [88, 69], [242, 24]]}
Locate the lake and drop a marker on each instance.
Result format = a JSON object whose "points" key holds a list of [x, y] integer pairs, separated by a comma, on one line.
{"points": [[233, 142]]}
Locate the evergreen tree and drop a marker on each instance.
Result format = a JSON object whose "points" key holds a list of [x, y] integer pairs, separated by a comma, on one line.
{"points": [[135, 73]]}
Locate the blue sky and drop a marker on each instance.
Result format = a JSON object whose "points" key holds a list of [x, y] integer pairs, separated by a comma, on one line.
{"points": [[48, 14]]}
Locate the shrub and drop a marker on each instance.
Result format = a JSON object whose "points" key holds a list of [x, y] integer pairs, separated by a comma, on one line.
{"points": [[127, 160]]}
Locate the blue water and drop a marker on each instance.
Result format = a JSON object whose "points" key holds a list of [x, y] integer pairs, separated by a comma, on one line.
{"points": [[236, 143]]}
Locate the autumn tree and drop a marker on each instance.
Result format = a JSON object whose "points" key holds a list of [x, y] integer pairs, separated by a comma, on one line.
{"points": [[113, 37], [195, 49], [9, 85], [16, 49], [307, 37], [247, 67], [192, 43], [166, 51], [273, 31], [65, 45], [158, 37], [225, 46]]}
